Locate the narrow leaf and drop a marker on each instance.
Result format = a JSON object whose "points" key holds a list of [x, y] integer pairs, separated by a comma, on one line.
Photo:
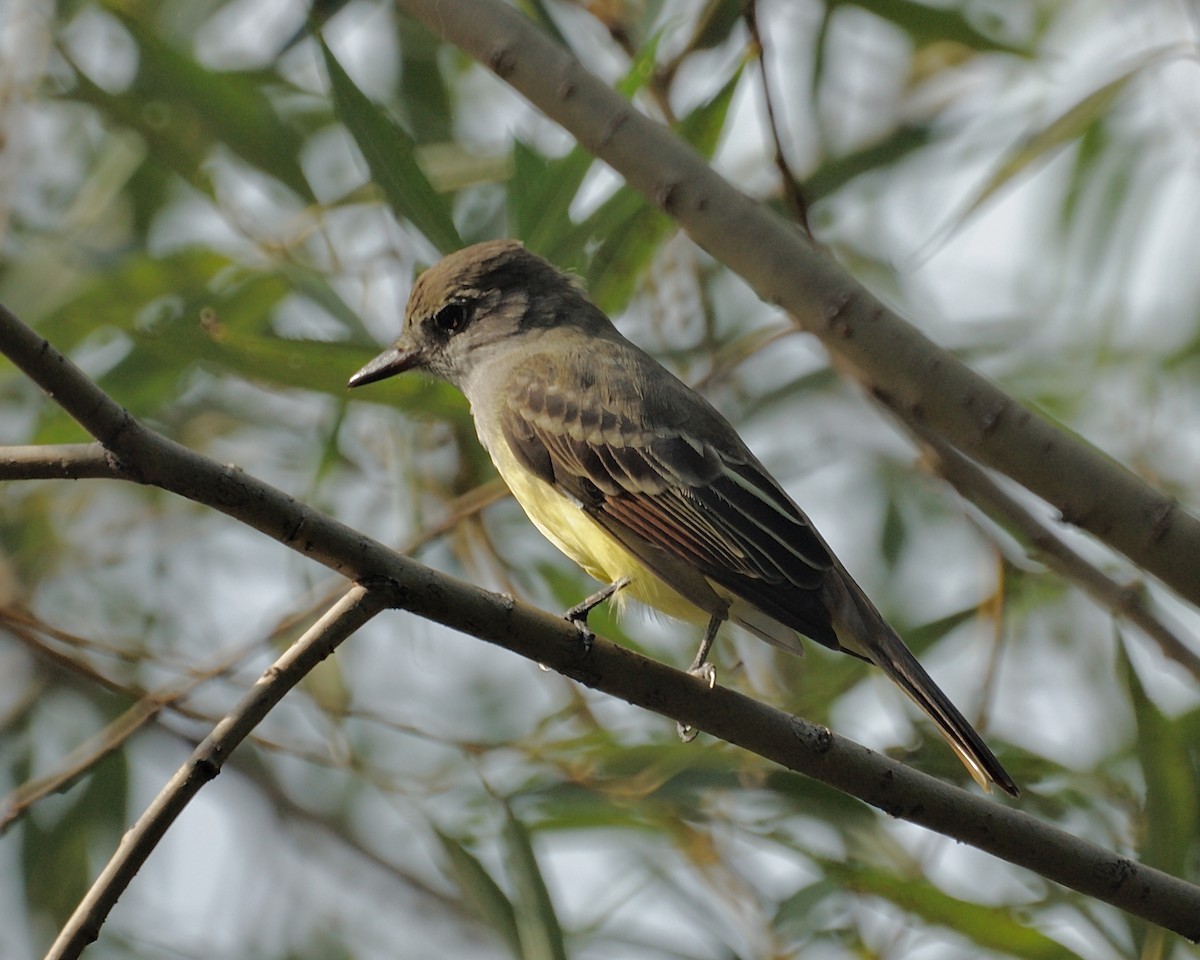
{"points": [[629, 229], [482, 893], [541, 935], [1166, 754], [183, 110], [391, 158], [542, 190], [1066, 127], [835, 173], [926, 23], [989, 927], [715, 23]]}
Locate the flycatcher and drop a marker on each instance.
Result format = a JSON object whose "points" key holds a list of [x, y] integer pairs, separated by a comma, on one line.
{"points": [[636, 477]]}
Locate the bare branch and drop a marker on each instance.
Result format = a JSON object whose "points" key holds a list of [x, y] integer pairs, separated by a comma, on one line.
{"points": [[68, 461], [792, 193], [23, 797], [143, 711], [1124, 600], [357, 607]]}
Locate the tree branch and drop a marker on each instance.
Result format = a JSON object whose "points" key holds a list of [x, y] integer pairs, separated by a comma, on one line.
{"points": [[68, 461], [789, 184], [547, 639], [145, 708], [890, 356], [1124, 600], [357, 607]]}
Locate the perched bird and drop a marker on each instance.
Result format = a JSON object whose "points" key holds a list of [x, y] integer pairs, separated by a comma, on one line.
{"points": [[636, 477]]}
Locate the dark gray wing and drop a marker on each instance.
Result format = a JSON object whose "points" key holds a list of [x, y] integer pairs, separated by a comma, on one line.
{"points": [[663, 472]]}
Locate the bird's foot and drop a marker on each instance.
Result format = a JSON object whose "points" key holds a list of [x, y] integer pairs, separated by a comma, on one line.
{"points": [[578, 614], [700, 666], [704, 670], [708, 673]]}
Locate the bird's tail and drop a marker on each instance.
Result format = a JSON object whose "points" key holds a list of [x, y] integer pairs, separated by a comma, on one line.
{"points": [[862, 631]]}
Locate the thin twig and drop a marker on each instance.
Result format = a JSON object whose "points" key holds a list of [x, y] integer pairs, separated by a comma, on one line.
{"points": [[67, 461], [143, 711], [357, 607], [791, 186], [1127, 600], [255, 772], [148, 705]]}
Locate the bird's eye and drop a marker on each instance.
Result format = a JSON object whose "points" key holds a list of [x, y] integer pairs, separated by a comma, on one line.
{"points": [[451, 317]]}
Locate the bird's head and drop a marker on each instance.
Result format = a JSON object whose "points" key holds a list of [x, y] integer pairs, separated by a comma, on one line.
{"points": [[473, 303]]}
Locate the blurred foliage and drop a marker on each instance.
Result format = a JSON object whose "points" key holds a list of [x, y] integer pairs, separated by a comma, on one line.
{"points": [[218, 216]]}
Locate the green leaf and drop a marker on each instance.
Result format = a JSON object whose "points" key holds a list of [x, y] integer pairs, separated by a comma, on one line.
{"points": [[817, 71], [1066, 127], [325, 366], [988, 927], [168, 312], [1094, 146], [183, 111], [142, 292], [482, 893], [800, 915], [391, 157], [895, 533], [542, 190], [315, 285], [631, 233], [715, 23], [198, 309], [629, 230], [931, 24], [539, 199], [537, 12], [541, 935], [57, 855], [927, 634], [423, 94], [834, 174], [1098, 192], [702, 128], [1167, 756]]}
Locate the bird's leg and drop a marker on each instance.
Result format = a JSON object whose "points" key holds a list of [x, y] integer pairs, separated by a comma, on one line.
{"points": [[578, 614], [703, 669], [700, 666]]}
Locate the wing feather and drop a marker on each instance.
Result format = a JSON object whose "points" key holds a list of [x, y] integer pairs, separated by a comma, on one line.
{"points": [[662, 485]]}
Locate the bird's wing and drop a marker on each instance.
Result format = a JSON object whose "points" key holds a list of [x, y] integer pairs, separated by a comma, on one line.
{"points": [[666, 475], [662, 472]]}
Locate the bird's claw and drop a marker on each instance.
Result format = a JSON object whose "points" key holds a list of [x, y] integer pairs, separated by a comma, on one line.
{"points": [[578, 614], [687, 733], [586, 636], [706, 672]]}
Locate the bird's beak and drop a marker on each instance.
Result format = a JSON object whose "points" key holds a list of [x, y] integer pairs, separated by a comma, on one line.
{"points": [[389, 363]]}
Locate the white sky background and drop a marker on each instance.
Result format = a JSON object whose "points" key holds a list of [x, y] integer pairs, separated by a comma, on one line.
{"points": [[998, 281]]}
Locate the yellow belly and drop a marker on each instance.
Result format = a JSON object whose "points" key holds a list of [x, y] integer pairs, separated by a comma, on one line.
{"points": [[563, 522]]}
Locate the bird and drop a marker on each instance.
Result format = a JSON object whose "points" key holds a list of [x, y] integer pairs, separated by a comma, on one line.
{"points": [[637, 477]]}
